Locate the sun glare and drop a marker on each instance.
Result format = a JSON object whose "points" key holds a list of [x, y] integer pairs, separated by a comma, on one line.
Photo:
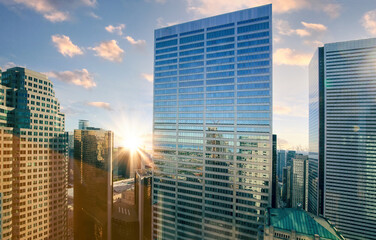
{"points": [[132, 142]]}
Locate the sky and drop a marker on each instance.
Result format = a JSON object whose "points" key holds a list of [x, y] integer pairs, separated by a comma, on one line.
{"points": [[99, 54]]}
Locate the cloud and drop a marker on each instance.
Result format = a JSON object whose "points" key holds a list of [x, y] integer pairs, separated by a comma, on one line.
{"points": [[369, 22], [214, 7], [283, 28], [103, 105], [52, 10], [93, 15], [332, 9], [287, 56], [281, 110], [117, 30], [77, 77], [148, 77], [134, 42], [65, 46], [315, 26], [8, 65], [161, 23], [313, 43], [109, 50]]}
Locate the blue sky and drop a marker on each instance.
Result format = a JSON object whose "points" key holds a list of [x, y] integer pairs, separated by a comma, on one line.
{"points": [[99, 54]]}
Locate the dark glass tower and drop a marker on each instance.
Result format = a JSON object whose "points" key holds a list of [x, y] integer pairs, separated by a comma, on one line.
{"points": [[213, 126]]}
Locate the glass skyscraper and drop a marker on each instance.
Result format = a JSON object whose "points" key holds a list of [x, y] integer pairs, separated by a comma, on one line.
{"points": [[213, 126], [343, 136]]}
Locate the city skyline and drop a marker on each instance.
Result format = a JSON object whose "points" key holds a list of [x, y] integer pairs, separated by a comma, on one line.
{"points": [[121, 35]]}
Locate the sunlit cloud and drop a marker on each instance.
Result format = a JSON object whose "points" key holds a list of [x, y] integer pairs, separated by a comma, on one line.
{"points": [[103, 105], [315, 26], [369, 22], [281, 110], [287, 56], [161, 23], [313, 43], [109, 50], [116, 29], [52, 10], [139, 43], [93, 15], [8, 65], [148, 77], [77, 77], [333, 10], [65, 46]]}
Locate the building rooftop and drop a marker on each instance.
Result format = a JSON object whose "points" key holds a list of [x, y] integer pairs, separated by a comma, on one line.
{"points": [[302, 222]]}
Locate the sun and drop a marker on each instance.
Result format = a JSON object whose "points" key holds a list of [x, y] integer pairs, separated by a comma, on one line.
{"points": [[132, 142]]}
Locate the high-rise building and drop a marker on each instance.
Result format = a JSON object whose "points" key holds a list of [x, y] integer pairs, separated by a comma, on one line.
{"points": [[289, 156], [83, 124], [33, 177], [342, 136], [143, 193], [126, 162], [213, 126], [281, 163], [274, 173], [286, 187], [92, 183], [299, 182]]}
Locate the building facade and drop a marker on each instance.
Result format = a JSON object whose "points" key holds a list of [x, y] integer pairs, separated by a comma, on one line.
{"points": [[342, 135], [93, 183], [33, 186], [299, 182], [213, 126], [281, 163]]}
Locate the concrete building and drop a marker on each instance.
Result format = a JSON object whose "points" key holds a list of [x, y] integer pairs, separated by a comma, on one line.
{"points": [[299, 182], [289, 156], [33, 177], [286, 187], [274, 173], [213, 126], [342, 136], [297, 224], [143, 198], [93, 183]]}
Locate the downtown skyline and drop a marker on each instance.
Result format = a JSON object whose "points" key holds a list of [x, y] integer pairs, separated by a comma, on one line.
{"points": [[99, 45]]}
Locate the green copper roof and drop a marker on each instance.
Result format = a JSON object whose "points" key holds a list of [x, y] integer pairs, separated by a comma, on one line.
{"points": [[300, 221]]}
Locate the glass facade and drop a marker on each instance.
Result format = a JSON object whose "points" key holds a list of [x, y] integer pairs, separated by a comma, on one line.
{"points": [[349, 142], [212, 126]]}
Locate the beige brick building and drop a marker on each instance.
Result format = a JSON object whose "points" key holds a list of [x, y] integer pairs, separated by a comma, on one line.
{"points": [[33, 161]]}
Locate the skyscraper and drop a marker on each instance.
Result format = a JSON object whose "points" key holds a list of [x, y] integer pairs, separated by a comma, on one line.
{"points": [[33, 177], [212, 126], [299, 181], [281, 163], [92, 183], [342, 136]]}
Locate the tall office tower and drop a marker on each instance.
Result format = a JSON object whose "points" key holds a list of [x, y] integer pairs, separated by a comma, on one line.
{"points": [[281, 163], [83, 124], [92, 183], [286, 188], [143, 193], [213, 126], [342, 136], [33, 176], [289, 156], [274, 173], [299, 182], [127, 162]]}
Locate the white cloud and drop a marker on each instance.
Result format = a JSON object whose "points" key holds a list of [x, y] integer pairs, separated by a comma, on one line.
{"points": [[281, 110], [369, 22], [77, 77], [109, 50], [287, 56], [313, 43], [65, 46], [161, 23], [315, 26], [103, 105], [8, 65], [116, 29], [52, 10], [214, 7], [148, 77], [93, 15], [132, 41]]}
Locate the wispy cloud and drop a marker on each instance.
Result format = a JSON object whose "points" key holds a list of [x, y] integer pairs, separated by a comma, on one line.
{"points": [[103, 105], [287, 56], [139, 43], [8, 65], [93, 15], [213, 7], [52, 10], [369, 22], [116, 29], [65, 46], [161, 23], [315, 26], [77, 77], [109, 50], [148, 77]]}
